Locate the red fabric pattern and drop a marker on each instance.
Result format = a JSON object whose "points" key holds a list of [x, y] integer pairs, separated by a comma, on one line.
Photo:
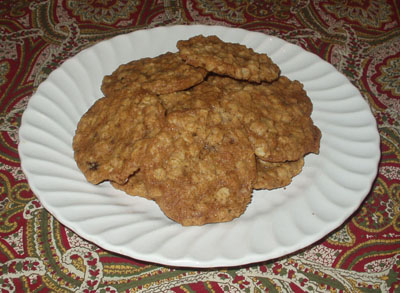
{"points": [[360, 38]]}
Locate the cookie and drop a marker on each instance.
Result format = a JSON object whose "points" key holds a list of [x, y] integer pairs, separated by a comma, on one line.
{"points": [[276, 175], [276, 116], [134, 186], [201, 96], [163, 74], [199, 170], [196, 131], [110, 136], [229, 59]]}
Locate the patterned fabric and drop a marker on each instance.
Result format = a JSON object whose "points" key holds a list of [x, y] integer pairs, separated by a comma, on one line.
{"points": [[360, 38]]}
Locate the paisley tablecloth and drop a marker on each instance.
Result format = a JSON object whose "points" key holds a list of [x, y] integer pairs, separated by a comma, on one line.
{"points": [[360, 38]]}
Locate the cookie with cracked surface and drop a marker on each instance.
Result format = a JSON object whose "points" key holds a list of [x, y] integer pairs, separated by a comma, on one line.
{"points": [[134, 186], [163, 74], [199, 170], [276, 116], [276, 175], [234, 60], [201, 96], [110, 137]]}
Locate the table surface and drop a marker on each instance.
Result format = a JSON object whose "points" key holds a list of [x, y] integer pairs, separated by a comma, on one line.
{"points": [[360, 38]]}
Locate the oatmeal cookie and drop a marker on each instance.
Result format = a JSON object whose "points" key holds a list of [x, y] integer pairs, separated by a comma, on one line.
{"points": [[276, 116], [201, 96], [199, 170], [109, 138], [134, 186], [276, 175], [163, 74], [230, 59]]}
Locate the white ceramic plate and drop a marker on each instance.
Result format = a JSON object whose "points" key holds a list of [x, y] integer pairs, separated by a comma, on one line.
{"points": [[331, 187]]}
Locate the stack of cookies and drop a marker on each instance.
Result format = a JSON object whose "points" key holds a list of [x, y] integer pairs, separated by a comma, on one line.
{"points": [[196, 131]]}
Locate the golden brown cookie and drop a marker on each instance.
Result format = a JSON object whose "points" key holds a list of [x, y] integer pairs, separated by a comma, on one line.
{"points": [[110, 136], [276, 117], [197, 130], [230, 59], [163, 74], [201, 96], [134, 186], [276, 175], [198, 170]]}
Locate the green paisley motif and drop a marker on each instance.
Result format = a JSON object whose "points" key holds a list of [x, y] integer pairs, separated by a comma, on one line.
{"points": [[19, 196], [390, 79], [103, 11], [367, 13], [4, 69], [373, 216]]}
